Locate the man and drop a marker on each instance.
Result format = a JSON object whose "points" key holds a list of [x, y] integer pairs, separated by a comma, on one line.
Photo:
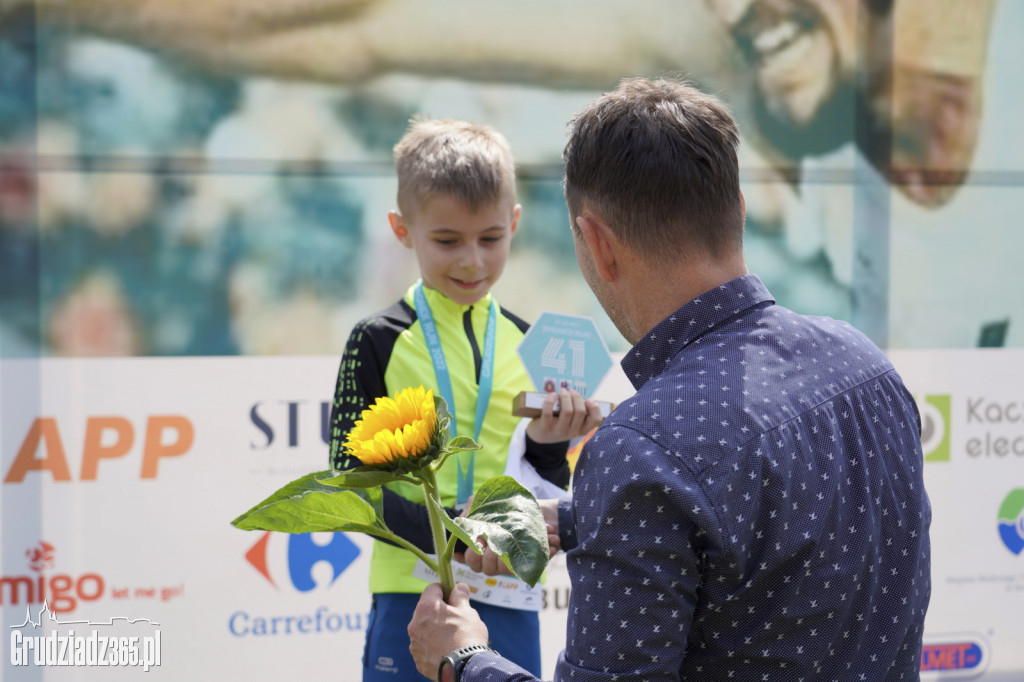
{"points": [[756, 510]]}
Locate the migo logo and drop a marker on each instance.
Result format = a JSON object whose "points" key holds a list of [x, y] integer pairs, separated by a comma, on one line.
{"points": [[60, 590], [935, 422], [1011, 521], [300, 555]]}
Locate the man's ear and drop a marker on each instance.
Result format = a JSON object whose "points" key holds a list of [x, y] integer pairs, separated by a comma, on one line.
{"points": [[400, 229], [602, 244]]}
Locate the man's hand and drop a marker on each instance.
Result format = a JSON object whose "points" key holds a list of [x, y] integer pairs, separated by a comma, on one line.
{"points": [[576, 417], [438, 628]]}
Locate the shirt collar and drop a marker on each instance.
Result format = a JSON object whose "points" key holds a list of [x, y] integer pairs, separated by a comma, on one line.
{"points": [[441, 304], [656, 349]]}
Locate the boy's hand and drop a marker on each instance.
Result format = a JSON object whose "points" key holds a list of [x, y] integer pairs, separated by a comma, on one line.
{"points": [[575, 417], [490, 563]]}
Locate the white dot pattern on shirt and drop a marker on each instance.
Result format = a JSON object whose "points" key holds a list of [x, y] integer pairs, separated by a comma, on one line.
{"points": [[756, 506]]}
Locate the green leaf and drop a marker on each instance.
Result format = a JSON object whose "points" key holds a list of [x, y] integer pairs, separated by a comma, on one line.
{"points": [[361, 477], [454, 528], [460, 443], [375, 498], [444, 417], [306, 505], [509, 518], [457, 444], [307, 483]]}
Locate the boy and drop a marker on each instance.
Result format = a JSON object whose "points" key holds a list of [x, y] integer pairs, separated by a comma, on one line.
{"points": [[457, 211]]}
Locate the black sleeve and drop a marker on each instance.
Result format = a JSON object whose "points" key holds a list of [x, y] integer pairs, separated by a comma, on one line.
{"points": [[360, 382], [361, 374], [549, 461], [409, 520], [567, 526]]}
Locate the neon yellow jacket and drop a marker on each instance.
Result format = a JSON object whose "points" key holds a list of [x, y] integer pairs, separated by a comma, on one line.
{"points": [[387, 352]]}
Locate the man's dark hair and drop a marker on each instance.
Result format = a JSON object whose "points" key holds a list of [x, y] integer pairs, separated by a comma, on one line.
{"points": [[656, 160]]}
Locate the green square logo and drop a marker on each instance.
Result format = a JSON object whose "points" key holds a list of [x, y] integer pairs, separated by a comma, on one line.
{"points": [[935, 427]]}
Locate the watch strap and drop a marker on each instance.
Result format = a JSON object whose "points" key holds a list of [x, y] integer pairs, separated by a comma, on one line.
{"points": [[457, 659]]}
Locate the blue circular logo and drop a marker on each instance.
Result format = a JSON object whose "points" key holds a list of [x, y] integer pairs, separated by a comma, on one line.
{"points": [[1011, 521]]}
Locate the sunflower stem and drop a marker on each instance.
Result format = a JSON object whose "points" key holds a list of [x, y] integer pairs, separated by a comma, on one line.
{"points": [[405, 544], [441, 545]]}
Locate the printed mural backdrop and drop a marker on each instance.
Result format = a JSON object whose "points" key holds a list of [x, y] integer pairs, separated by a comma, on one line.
{"points": [[211, 178]]}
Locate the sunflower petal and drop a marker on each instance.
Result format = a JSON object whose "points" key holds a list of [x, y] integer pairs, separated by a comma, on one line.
{"points": [[399, 433]]}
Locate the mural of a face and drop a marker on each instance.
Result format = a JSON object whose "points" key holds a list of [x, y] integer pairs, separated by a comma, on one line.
{"points": [[803, 51]]}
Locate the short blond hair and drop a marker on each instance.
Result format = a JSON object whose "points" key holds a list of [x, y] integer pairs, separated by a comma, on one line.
{"points": [[468, 161]]}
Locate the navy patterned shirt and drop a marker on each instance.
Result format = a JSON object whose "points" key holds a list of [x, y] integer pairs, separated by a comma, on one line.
{"points": [[755, 511]]}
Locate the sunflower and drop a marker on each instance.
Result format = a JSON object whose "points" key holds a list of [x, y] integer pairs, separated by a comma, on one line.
{"points": [[399, 433]]}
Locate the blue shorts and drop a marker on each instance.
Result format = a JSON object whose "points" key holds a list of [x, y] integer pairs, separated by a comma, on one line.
{"points": [[515, 634]]}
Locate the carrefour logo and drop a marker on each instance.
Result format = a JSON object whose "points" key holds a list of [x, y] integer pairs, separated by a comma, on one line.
{"points": [[1011, 521], [935, 411], [285, 559], [300, 555]]}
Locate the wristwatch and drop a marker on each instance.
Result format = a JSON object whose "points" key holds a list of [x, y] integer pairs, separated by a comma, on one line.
{"points": [[457, 660]]}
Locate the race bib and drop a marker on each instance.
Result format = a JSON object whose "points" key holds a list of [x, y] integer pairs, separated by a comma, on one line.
{"points": [[497, 590]]}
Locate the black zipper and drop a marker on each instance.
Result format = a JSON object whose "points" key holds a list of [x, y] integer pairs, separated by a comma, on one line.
{"points": [[467, 323]]}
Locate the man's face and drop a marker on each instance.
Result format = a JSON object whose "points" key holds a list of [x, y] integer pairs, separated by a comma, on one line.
{"points": [[602, 292], [802, 50]]}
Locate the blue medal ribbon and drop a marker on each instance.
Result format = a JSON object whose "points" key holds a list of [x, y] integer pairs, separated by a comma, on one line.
{"points": [[444, 380]]}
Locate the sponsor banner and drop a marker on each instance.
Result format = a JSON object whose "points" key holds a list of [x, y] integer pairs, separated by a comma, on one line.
{"points": [[119, 479], [118, 482], [972, 414], [954, 656]]}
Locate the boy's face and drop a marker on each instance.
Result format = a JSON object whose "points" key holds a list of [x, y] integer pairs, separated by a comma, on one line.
{"points": [[461, 253]]}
